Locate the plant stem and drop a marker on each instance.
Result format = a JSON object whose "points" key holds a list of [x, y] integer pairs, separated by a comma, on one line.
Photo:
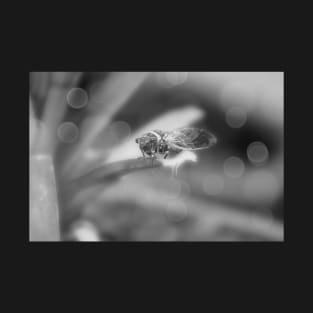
{"points": [[114, 170]]}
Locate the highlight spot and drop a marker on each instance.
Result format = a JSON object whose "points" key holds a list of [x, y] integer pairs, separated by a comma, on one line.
{"points": [[236, 117], [68, 132], [233, 167], [257, 153], [85, 231], [77, 98], [121, 130]]}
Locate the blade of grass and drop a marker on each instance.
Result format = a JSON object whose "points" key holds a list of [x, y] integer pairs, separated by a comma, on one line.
{"points": [[90, 184], [168, 121], [55, 108], [210, 217], [113, 95], [112, 171], [33, 127], [43, 208]]}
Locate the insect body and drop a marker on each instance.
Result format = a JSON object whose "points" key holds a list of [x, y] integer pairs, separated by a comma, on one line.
{"points": [[161, 142]]}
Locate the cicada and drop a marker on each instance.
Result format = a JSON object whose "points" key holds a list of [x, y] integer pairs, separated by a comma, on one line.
{"points": [[165, 142]]}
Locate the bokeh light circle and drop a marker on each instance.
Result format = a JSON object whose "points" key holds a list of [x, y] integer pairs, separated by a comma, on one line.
{"points": [[257, 153], [236, 117], [120, 129], [68, 132], [213, 184], [233, 167], [77, 98]]}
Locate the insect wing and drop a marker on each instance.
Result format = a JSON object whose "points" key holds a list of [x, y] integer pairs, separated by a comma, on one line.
{"points": [[190, 139]]}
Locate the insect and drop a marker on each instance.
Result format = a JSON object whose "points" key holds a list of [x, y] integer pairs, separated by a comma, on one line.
{"points": [[163, 142]]}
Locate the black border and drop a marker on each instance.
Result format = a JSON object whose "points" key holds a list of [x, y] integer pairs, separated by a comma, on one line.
{"points": [[161, 254]]}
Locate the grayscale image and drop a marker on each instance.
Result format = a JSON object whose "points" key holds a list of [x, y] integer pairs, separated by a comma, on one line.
{"points": [[156, 156]]}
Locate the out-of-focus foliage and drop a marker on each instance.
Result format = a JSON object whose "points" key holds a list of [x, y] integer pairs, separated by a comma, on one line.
{"points": [[88, 122]]}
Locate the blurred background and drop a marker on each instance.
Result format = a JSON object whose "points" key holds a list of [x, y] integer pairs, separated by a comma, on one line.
{"points": [[87, 184]]}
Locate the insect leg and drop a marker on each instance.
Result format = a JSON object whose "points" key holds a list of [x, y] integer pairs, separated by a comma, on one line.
{"points": [[166, 154]]}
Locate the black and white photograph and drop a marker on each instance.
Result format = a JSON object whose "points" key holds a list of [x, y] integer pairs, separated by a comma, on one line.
{"points": [[156, 156]]}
